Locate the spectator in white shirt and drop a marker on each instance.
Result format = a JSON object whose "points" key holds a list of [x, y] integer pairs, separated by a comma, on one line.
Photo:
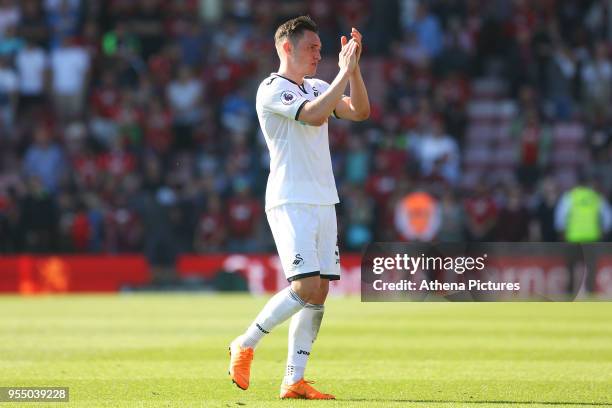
{"points": [[31, 63], [184, 96], [597, 80], [438, 154], [70, 69]]}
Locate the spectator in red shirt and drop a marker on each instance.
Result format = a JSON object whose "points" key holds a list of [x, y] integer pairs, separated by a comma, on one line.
{"points": [[117, 161], [514, 219], [481, 212], [211, 232], [123, 228], [105, 103], [80, 232], [533, 143], [382, 181], [243, 218], [87, 174], [158, 127]]}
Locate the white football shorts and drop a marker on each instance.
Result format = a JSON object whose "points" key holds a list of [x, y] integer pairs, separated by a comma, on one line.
{"points": [[306, 238]]}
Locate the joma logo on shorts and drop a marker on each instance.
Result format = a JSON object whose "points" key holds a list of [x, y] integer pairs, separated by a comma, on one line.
{"points": [[303, 352]]}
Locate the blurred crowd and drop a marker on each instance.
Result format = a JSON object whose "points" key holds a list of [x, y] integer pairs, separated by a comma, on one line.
{"points": [[129, 125]]}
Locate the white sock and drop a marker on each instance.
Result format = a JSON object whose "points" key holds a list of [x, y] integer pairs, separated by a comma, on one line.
{"points": [[303, 332], [279, 308]]}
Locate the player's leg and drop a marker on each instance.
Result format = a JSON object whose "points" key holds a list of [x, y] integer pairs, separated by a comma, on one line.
{"points": [[294, 235], [306, 323], [303, 332], [278, 309], [294, 231]]}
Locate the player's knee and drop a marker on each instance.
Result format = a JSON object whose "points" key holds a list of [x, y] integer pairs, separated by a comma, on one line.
{"points": [[318, 299], [319, 294], [307, 289], [308, 294]]}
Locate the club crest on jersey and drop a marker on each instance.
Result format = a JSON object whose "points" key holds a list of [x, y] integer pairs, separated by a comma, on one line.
{"points": [[288, 97]]}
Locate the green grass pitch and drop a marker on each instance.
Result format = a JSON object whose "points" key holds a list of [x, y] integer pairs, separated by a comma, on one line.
{"points": [[171, 351]]}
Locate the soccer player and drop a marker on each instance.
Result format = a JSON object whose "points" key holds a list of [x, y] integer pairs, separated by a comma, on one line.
{"points": [[293, 109]]}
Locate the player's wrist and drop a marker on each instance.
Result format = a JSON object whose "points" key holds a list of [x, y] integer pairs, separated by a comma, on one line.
{"points": [[345, 72]]}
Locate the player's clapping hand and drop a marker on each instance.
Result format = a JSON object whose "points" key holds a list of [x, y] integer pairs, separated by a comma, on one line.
{"points": [[347, 59], [356, 36]]}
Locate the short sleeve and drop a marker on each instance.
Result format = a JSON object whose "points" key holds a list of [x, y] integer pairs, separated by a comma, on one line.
{"points": [[281, 100]]}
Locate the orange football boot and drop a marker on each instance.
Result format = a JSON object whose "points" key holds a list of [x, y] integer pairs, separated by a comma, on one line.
{"points": [[240, 363], [303, 390]]}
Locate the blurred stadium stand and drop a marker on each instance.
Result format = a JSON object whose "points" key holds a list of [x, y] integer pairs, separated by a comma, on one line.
{"points": [[128, 126]]}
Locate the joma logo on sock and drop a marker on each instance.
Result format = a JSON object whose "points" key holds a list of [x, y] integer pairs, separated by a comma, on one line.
{"points": [[303, 352]]}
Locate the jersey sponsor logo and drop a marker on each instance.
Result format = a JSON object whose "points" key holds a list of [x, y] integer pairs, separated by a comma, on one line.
{"points": [[288, 97], [297, 262]]}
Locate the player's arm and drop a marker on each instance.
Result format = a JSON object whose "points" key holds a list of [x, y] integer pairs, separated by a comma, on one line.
{"points": [[316, 112], [357, 106]]}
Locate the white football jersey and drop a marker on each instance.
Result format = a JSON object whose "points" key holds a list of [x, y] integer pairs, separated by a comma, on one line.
{"points": [[300, 161]]}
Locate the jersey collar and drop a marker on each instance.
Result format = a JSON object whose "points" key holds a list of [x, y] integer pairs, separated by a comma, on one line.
{"points": [[302, 87]]}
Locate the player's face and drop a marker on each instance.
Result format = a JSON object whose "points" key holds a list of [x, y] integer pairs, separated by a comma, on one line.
{"points": [[307, 53]]}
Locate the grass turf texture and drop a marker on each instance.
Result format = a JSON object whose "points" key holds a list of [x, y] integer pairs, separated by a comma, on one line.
{"points": [[171, 350]]}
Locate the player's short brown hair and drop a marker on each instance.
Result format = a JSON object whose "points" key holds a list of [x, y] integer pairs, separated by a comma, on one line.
{"points": [[294, 28]]}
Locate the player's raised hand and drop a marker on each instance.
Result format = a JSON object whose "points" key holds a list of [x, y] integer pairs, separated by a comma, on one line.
{"points": [[356, 35], [347, 58]]}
